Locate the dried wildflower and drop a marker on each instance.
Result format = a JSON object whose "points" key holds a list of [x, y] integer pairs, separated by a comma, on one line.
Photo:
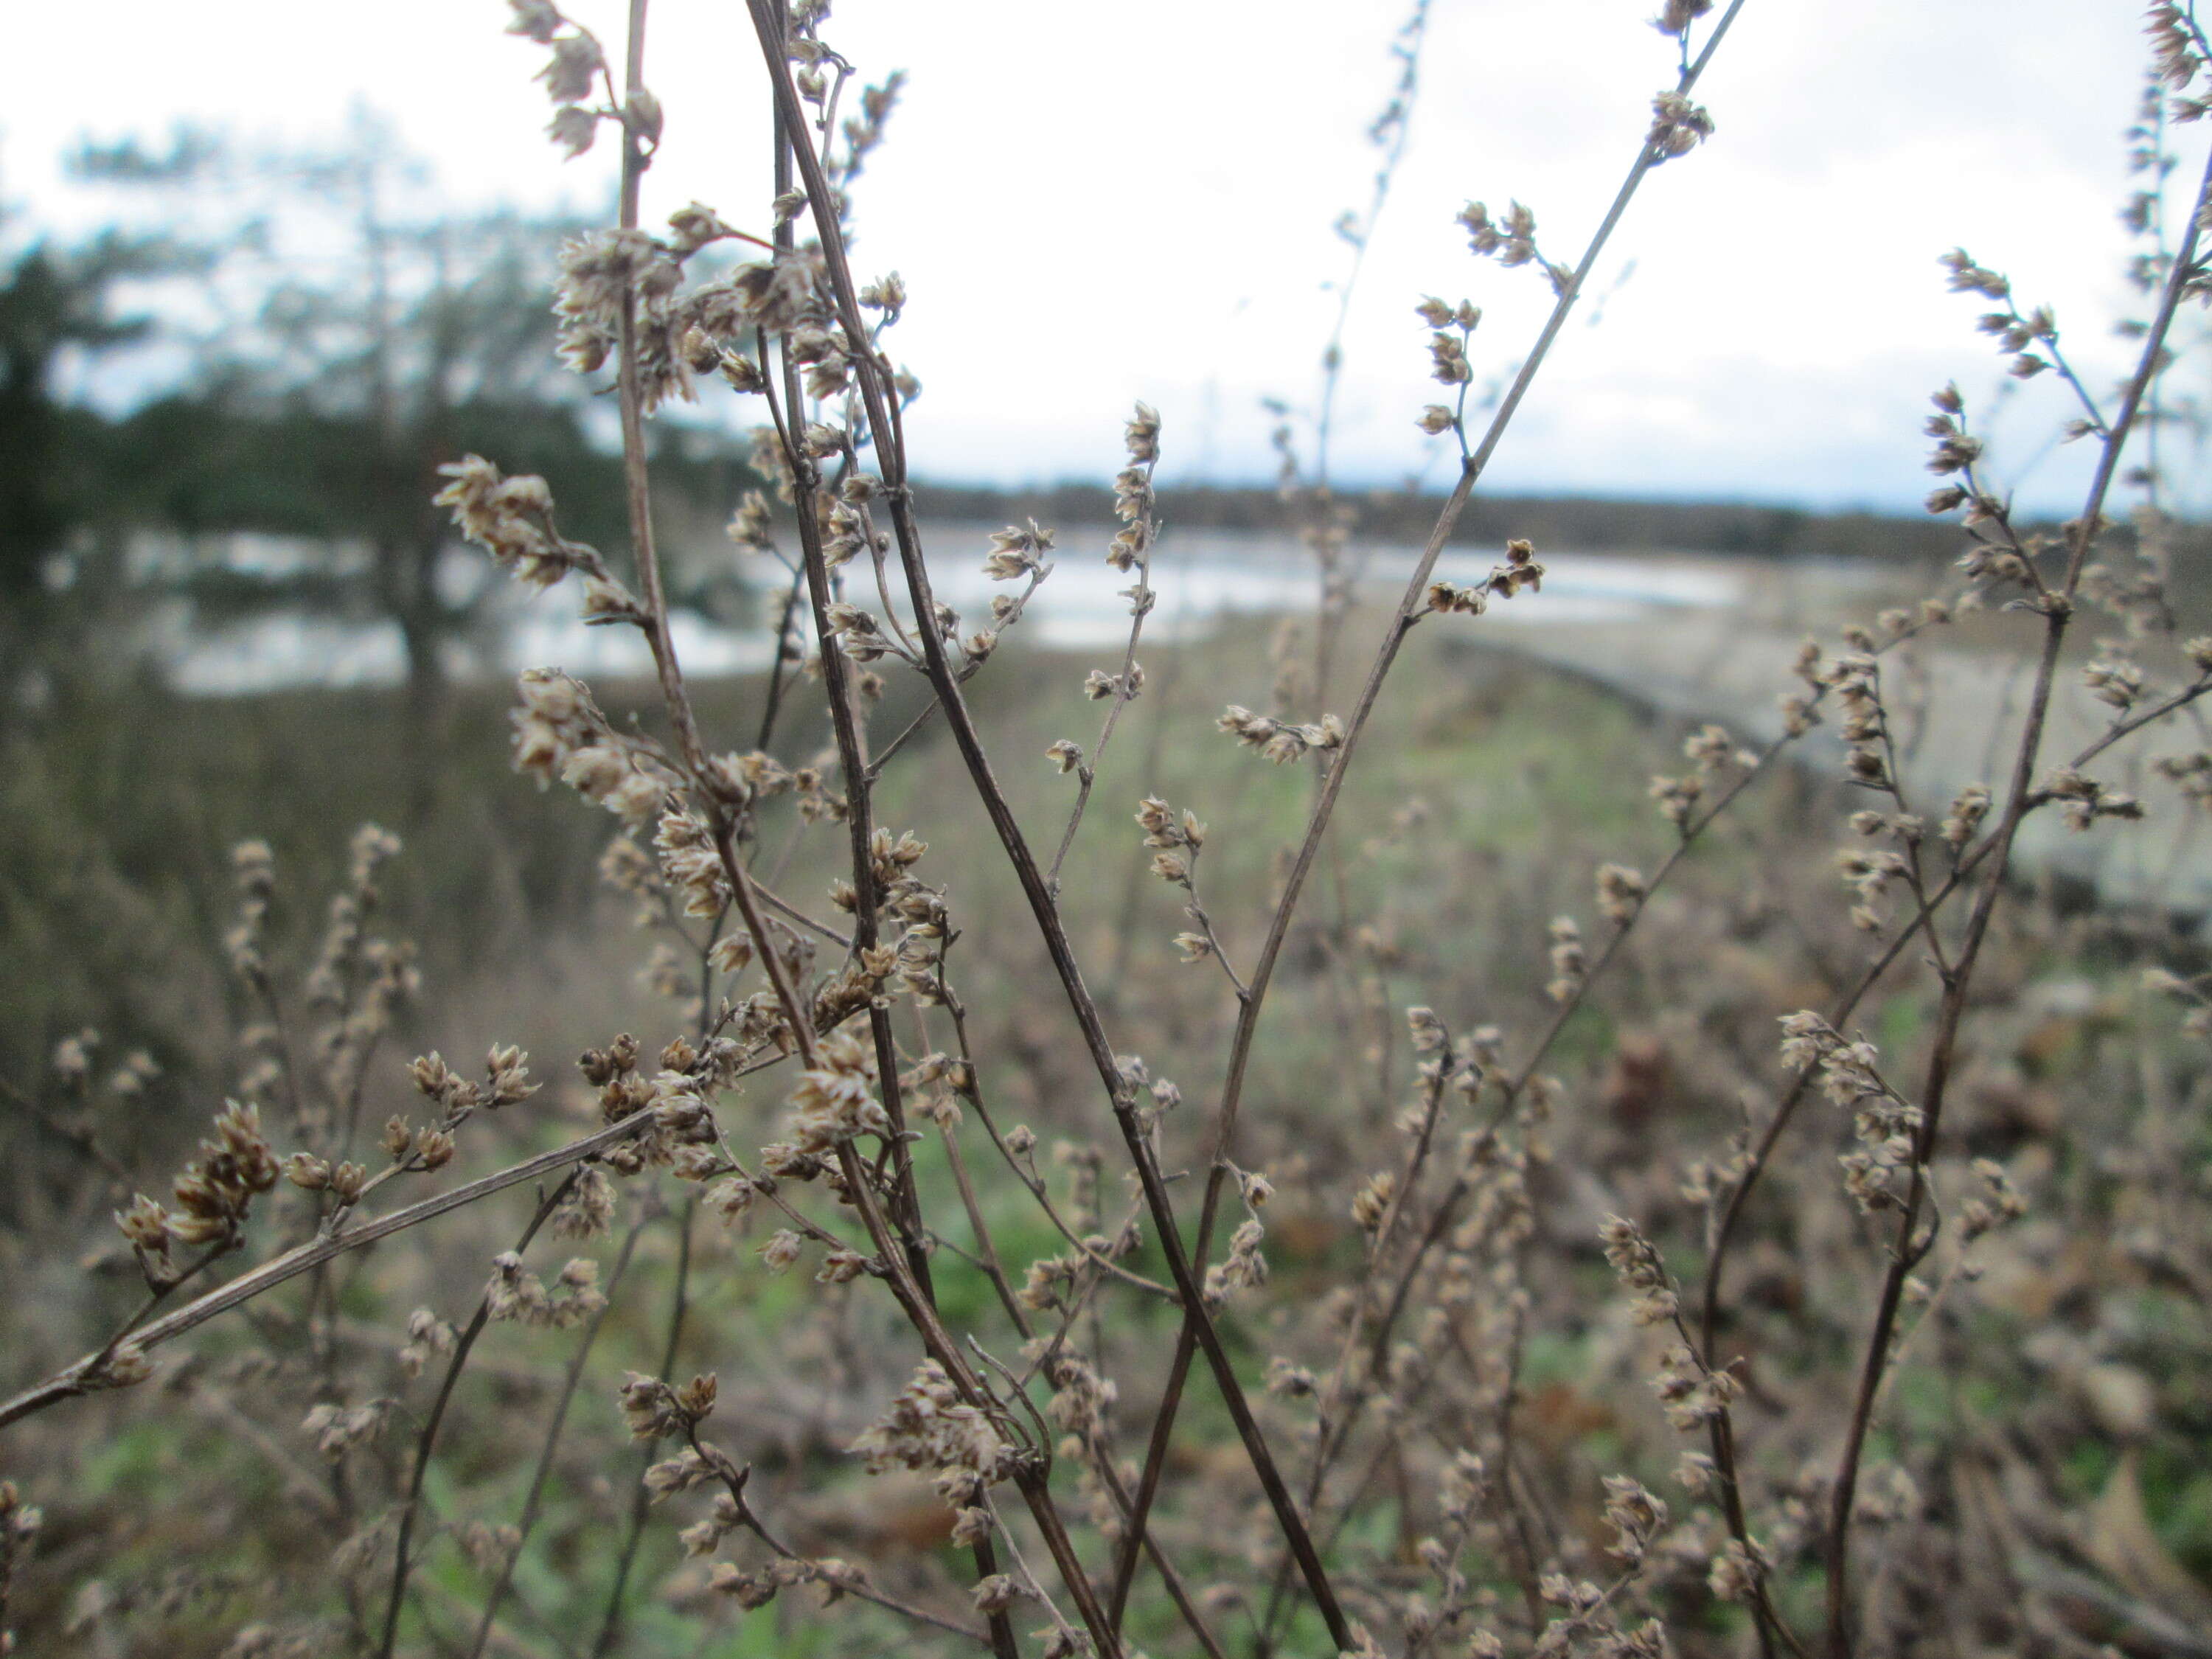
{"points": [[337, 1429], [1569, 964], [1142, 435], [995, 1593], [1635, 1516], [1678, 126], [1869, 873], [1016, 553], [1372, 1201], [1636, 1259], [2082, 800], [1968, 808], [512, 519], [1446, 597], [1449, 356], [1098, 685], [835, 1100], [1176, 840], [428, 1336], [1429, 1033], [1956, 449], [782, 1249], [1734, 1573], [1243, 1267], [1289, 1381], [654, 1410], [1696, 1473], [1620, 893], [1281, 741], [928, 1426], [213, 1196], [1691, 1394], [2112, 679], [1511, 241], [2000, 1204], [2174, 41], [588, 1209], [516, 1293]]}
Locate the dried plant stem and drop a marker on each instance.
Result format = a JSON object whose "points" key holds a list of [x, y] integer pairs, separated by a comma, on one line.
{"points": [[860, 821], [853, 761], [551, 1444], [892, 1258], [1029, 1178], [755, 1525], [1337, 1434], [1906, 1247], [1086, 771], [777, 679], [402, 1559], [946, 682], [84, 1376], [1928, 904], [1411, 607], [641, 1495]]}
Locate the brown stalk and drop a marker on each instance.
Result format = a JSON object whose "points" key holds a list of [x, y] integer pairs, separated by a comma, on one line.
{"points": [[852, 759], [1409, 610], [1339, 1434], [1905, 1250], [403, 1563], [1087, 771], [946, 682], [84, 1377], [543, 1472], [641, 1496], [752, 1522], [906, 1285]]}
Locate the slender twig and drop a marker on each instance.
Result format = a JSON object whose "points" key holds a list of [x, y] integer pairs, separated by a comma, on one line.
{"points": [[85, 1376], [551, 1444], [873, 383], [641, 1497], [1141, 600], [852, 1586], [1905, 1251], [1410, 609], [426, 1439]]}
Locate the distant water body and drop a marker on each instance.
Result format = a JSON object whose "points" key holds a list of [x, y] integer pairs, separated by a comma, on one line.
{"points": [[1202, 578]]}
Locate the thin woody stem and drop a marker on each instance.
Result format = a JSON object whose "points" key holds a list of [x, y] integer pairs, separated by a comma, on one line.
{"points": [[1333, 1443], [1410, 608], [943, 678], [1141, 606], [85, 1376], [551, 1444], [641, 1497], [402, 1560], [2021, 798]]}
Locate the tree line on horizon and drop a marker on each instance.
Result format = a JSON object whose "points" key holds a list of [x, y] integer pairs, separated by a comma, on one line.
{"points": [[318, 395]]}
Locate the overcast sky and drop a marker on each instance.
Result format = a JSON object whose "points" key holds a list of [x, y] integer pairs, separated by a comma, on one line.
{"points": [[1095, 202]]}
